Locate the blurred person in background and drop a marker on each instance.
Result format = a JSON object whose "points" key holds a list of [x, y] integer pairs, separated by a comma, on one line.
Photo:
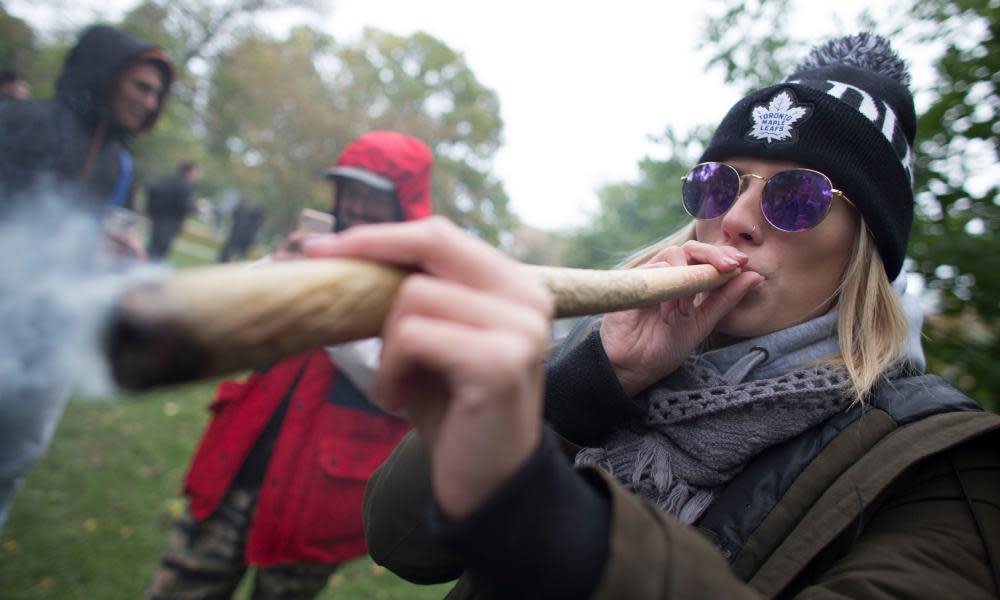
{"points": [[277, 480], [13, 86], [112, 87], [71, 150], [169, 200], [246, 221]]}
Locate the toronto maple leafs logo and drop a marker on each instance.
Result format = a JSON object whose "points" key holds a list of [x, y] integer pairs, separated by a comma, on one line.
{"points": [[773, 122]]}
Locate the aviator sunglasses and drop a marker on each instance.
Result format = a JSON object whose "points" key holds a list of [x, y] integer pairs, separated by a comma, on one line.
{"points": [[792, 200]]}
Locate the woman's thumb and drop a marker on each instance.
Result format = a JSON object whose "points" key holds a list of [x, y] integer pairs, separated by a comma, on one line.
{"points": [[720, 301]]}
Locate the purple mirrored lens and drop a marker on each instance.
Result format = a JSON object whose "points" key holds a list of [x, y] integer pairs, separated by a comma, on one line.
{"points": [[796, 200], [710, 189]]}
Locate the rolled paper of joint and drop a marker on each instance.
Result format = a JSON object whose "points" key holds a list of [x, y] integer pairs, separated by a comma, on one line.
{"points": [[211, 321]]}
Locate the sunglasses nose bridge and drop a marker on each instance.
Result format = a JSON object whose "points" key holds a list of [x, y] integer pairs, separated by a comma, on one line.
{"points": [[744, 184]]}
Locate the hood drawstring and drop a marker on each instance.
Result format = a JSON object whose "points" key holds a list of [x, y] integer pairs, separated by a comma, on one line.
{"points": [[95, 145], [742, 367]]}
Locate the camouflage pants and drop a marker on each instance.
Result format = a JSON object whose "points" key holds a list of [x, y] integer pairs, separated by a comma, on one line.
{"points": [[205, 561]]}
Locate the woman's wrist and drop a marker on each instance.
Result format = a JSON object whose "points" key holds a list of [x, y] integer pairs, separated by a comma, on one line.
{"points": [[630, 380], [461, 487]]}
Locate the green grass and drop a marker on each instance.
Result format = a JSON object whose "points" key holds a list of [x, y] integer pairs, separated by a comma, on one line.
{"points": [[94, 513]]}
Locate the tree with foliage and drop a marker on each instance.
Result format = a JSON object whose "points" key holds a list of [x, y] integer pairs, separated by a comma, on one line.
{"points": [[21, 49], [420, 86], [195, 33], [192, 30], [955, 245], [17, 43], [270, 123], [280, 111], [631, 216]]}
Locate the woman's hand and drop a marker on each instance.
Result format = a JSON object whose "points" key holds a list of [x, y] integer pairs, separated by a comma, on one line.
{"points": [[462, 352], [646, 344]]}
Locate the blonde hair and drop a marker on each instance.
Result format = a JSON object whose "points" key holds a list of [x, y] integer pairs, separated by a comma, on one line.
{"points": [[871, 326]]}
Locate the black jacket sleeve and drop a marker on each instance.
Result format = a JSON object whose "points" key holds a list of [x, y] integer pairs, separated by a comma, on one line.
{"points": [[584, 401], [543, 535]]}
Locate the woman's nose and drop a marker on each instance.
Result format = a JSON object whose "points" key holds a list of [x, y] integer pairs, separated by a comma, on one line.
{"points": [[744, 221]]}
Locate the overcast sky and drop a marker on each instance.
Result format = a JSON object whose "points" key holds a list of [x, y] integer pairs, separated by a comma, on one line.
{"points": [[582, 84]]}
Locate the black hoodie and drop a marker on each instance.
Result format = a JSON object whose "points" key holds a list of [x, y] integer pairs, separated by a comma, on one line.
{"points": [[70, 141]]}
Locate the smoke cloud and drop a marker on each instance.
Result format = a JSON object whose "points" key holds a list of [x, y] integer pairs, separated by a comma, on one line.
{"points": [[59, 284]]}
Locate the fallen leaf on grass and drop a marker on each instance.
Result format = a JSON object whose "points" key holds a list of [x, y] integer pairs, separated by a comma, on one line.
{"points": [[90, 525], [170, 409], [46, 582], [9, 545]]}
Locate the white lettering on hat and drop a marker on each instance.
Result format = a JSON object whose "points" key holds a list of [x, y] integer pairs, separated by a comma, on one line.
{"points": [[773, 122], [865, 104], [889, 124], [897, 140]]}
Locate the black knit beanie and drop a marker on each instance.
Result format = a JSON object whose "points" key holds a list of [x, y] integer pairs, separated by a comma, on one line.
{"points": [[847, 112]]}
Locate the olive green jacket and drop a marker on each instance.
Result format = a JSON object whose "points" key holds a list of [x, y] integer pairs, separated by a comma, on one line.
{"points": [[883, 510]]}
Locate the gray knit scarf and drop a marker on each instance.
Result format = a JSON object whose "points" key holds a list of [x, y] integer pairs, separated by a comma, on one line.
{"points": [[699, 430]]}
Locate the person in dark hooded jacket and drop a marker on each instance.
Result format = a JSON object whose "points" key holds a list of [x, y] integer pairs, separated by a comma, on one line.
{"points": [[112, 87], [278, 477], [70, 150]]}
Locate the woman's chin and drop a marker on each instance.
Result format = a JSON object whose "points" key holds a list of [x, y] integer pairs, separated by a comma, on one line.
{"points": [[746, 318], [737, 330], [749, 319]]}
